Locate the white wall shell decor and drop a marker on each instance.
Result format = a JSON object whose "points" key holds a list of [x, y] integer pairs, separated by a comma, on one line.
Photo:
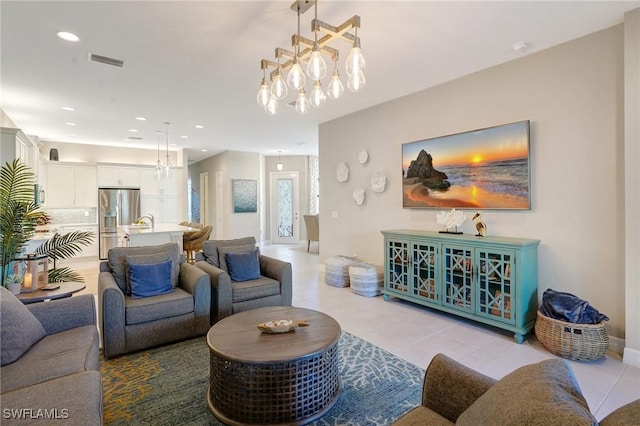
{"points": [[363, 156], [358, 196], [342, 172], [378, 181]]}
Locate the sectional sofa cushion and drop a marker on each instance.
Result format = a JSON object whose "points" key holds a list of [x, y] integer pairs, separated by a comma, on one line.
{"points": [[20, 328], [118, 263], [149, 278], [210, 248], [542, 393], [56, 355], [244, 266]]}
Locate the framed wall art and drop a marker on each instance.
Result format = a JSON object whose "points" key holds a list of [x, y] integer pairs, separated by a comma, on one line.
{"points": [[245, 195], [481, 169]]}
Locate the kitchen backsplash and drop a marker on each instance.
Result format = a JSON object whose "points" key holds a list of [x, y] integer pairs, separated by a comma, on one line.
{"points": [[73, 216]]}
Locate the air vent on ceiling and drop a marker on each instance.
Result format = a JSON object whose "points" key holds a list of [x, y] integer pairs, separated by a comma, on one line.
{"points": [[105, 60], [135, 138]]}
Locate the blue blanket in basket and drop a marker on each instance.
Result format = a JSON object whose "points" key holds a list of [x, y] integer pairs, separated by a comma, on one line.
{"points": [[569, 308]]}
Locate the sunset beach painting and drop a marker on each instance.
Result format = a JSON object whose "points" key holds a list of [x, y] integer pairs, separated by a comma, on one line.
{"points": [[481, 169]]}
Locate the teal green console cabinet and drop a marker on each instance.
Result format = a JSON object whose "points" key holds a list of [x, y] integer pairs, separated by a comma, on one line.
{"points": [[493, 280]]}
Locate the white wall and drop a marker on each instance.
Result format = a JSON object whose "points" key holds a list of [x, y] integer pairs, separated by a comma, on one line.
{"points": [[573, 94]]}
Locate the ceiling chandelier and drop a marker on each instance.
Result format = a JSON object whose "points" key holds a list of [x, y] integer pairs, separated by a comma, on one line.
{"points": [[311, 52]]}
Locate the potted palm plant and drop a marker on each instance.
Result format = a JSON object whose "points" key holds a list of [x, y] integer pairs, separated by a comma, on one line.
{"points": [[19, 215]]}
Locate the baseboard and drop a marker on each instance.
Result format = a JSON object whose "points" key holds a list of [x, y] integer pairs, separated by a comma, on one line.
{"points": [[616, 345], [631, 357]]}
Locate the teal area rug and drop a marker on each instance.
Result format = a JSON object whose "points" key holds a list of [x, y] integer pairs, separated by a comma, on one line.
{"points": [[168, 386]]}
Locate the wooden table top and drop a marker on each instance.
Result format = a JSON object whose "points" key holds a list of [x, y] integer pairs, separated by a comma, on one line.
{"points": [[237, 337], [65, 290]]}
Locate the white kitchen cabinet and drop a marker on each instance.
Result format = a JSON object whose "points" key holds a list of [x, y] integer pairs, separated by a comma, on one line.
{"points": [[165, 209], [151, 185], [15, 144], [87, 251], [116, 176], [70, 186]]}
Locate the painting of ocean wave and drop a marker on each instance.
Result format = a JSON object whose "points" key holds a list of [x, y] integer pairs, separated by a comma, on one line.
{"points": [[485, 169], [245, 196]]}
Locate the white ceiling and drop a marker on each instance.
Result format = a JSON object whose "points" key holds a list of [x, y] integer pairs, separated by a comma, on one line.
{"points": [[199, 63]]}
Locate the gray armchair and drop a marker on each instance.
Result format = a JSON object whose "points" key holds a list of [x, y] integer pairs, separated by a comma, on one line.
{"points": [[128, 323], [545, 393], [272, 288]]}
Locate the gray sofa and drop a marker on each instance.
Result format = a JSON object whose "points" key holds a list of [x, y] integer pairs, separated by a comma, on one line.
{"points": [[50, 362], [545, 393], [130, 324], [273, 286]]}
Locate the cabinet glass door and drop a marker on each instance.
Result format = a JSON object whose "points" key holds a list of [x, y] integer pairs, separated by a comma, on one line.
{"points": [[495, 292], [423, 268], [398, 265], [458, 277]]}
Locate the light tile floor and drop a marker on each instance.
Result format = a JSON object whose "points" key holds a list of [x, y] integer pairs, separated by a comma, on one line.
{"points": [[416, 333]]}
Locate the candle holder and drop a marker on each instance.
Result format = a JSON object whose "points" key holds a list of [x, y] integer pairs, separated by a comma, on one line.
{"points": [[36, 271]]}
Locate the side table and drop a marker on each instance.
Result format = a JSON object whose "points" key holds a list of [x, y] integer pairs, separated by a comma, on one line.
{"points": [[65, 290]]}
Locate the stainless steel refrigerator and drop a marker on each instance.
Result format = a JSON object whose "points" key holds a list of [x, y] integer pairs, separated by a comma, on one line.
{"points": [[118, 206]]}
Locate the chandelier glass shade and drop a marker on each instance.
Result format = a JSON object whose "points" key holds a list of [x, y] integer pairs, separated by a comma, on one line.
{"points": [[312, 53]]}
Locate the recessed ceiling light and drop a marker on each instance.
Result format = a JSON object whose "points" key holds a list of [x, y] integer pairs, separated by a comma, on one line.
{"points": [[70, 124], [184, 137], [68, 36], [133, 130], [141, 119], [204, 150], [68, 108], [199, 126]]}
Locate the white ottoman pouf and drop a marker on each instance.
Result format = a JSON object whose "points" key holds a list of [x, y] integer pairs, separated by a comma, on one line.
{"points": [[366, 279], [336, 271]]}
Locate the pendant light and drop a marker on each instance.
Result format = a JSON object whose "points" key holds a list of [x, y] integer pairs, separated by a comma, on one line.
{"points": [[272, 107], [355, 60], [295, 78], [316, 68], [335, 89], [317, 98], [302, 102], [278, 86], [167, 171], [263, 93], [279, 164], [158, 171]]}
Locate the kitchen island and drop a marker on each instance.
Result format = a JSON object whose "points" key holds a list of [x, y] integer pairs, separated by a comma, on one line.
{"points": [[146, 235]]}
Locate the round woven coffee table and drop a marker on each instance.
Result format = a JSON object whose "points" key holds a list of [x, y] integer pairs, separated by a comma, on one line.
{"points": [[259, 378]]}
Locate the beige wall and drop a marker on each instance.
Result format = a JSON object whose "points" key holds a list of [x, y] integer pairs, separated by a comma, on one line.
{"points": [[632, 184], [234, 165], [243, 165], [573, 94]]}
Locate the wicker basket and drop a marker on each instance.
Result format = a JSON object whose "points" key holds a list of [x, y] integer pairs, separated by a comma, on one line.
{"points": [[581, 342]]}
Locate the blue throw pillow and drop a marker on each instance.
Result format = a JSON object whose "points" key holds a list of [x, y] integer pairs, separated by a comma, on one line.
{"points": [[244, 266], [150, 279]]}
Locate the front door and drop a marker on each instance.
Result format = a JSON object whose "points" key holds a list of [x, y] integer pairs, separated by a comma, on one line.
{"points": [[285, 223]]}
